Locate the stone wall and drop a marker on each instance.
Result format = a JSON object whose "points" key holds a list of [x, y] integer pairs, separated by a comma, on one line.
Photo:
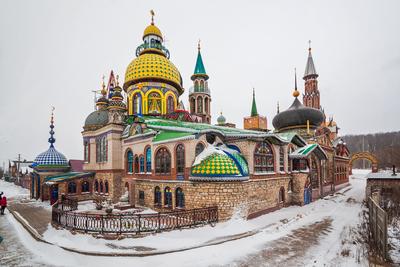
{"points": [[247, 198], [378, 184]]}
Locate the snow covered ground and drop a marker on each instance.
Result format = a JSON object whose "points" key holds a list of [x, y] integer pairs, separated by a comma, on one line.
{"points": [[328, 221]]}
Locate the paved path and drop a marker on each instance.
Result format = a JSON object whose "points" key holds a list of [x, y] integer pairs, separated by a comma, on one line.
{"points": [[37, 217]]}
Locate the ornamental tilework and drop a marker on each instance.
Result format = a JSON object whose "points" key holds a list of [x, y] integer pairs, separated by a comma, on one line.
{"points": [[51, 158], [216, 165]]}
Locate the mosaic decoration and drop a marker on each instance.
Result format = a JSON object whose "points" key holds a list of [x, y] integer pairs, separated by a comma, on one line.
{"points": [[216, 165]]}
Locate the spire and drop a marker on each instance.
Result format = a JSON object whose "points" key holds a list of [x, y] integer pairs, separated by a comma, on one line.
{"points": [[254, 106], [310, 67], [199, 68], [277, 108], [52, 140], [295, 92], [152, 16]]}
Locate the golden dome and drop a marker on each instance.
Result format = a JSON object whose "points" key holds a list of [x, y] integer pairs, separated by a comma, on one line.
{"points": [[152, 29], [152, 67]]}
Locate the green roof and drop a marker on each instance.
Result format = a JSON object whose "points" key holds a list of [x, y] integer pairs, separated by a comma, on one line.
{"points": [[199, 68], [305, 151], [169, 135], [68, 176]]}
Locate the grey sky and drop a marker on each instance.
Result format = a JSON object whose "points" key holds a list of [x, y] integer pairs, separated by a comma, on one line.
{"points": [[53, 53]]}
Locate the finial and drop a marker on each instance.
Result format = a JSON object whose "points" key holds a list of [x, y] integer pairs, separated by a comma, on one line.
{"points": [[309, 45], [277, 108], [295, 92], [52, 140], [254, 92], [103, 86], [117, 78], [198, 45], [152, 16]]}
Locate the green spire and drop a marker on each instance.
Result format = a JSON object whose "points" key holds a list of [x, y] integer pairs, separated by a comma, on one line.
{"points": [[199, 69], [254, 106]]}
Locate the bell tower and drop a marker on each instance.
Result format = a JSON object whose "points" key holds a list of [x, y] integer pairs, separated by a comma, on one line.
{"points": [[311, 96], [199, 94]]}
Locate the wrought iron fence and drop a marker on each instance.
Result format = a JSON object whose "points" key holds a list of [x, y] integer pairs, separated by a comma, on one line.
{"points": [[133, 223], [378, 221]]}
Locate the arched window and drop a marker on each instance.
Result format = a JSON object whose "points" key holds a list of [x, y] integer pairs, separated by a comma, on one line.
{"points": [[86, 155], [136, 164], [129, 157], [170, 104], [71, 188], [141, 164], [180, 159], [96, 186], [201, 86], [196, 86], [154, 103], [179, 198], [290, 161], [163, 161], [206, 105], [137, 104], [192, 105], [282, 195], [101, 186], [106, 187], [290, 186], [148, 159], [199, 104], [157, 196], [263, 158], [85, 186], [281, 159], [168, 197], [199, 149]]}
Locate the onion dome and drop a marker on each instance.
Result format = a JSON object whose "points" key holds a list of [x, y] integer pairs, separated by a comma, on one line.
{"points": [[297, 115], [219, 164], [51, 158], [152, 63], [96, 119], [221, 119]]}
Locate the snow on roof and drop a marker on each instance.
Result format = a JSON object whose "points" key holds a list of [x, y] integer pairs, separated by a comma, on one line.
{"points": [[383, 175], [305, 151]]}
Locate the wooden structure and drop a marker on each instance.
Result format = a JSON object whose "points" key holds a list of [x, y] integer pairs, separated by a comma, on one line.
{"points": [[378, 227]]}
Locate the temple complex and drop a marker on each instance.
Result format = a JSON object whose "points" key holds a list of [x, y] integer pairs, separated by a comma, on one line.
{"points": [[142, 142]]}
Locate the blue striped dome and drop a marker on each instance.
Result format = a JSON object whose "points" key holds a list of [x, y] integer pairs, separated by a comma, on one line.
{"points": [[51, 157]]}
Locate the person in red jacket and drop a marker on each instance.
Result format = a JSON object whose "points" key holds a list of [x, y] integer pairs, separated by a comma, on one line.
{"points": [[3, 204]]}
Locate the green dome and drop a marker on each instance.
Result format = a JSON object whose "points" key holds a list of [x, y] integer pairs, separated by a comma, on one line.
{"points": [[96, 119], [220, 165]]}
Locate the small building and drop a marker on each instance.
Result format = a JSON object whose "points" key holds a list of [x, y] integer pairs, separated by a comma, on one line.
{"points": [[52, 175], [384, 184]]}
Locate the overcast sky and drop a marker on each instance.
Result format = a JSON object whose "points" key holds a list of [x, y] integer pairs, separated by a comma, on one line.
{"points": [[54, 53]]}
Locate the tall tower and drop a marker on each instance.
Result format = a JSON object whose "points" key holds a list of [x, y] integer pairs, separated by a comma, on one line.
{"points": [[255, 121], [311, 97], [199, 94]]}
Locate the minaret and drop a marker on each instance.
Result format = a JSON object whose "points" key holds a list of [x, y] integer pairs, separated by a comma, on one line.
{"points": [[311, 97], [102, 102], [255, 121], [116, 105], [199, 95]]}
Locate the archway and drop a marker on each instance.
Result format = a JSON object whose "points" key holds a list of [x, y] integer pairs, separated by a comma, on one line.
{"points": [[364, 155]]}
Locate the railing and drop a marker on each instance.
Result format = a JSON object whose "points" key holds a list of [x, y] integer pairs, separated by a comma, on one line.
{"points": [[134, 223], [378, 227]]}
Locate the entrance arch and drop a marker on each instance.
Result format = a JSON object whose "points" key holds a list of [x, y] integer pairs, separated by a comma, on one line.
{"points": [[364, 155]]}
